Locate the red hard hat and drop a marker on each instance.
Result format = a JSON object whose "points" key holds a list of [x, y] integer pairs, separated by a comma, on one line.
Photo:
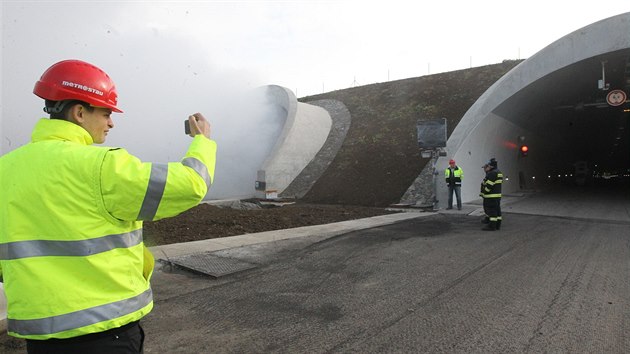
{"points": [[77, 80], [451, 161]]}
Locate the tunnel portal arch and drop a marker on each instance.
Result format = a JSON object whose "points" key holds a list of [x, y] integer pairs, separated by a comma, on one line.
{"points": [[526, 103]]}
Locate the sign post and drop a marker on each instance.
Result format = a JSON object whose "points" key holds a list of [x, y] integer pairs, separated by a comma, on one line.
{"points": [[432, 140]]}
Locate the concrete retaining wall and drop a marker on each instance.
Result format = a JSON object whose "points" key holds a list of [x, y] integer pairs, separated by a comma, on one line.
{"points": [[305, 132], [341, 120]]}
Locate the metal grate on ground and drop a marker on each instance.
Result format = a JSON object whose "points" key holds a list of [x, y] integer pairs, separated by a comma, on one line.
{"points": [[210, 264]]}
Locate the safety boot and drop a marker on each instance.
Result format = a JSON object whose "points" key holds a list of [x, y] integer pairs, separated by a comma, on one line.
{"points": [[492, 226], [499, 225]]}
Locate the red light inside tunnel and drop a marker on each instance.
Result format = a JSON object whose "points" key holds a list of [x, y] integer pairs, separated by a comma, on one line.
{"points": [[524, 150]]}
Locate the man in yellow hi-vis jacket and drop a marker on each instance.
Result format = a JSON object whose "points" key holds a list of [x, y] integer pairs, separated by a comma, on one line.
{"points": [[75, 268], [454, 176]]}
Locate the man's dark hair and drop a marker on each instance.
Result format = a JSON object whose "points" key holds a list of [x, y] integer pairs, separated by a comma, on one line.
{"points": [[59, 109]]}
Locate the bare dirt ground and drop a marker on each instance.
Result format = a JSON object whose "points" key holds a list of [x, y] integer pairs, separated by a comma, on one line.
{"points": [[209, 221]]}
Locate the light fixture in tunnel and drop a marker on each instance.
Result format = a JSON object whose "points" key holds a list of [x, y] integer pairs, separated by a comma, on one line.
{"points": [[524, 150]]}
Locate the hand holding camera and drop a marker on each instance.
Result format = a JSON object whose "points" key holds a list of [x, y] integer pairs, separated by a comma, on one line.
{"points": [[197, 124]]}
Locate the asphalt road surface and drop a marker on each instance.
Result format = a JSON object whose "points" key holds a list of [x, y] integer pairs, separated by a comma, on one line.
{"points": [[428, 285]]}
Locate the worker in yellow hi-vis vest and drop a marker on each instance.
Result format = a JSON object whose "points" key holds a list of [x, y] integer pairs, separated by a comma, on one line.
{"points": [[76, 271], [454, 176]]}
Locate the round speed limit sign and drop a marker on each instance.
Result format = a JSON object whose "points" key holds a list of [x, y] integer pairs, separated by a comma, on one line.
{"points": [[616, 97]]}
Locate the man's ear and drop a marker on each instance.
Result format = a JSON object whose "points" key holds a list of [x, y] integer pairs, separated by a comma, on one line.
{"points": [[76, 113]]}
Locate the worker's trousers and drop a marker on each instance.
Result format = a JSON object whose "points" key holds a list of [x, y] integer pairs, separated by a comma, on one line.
{"points": [[127, 339], [492, 208], [458, 194]]}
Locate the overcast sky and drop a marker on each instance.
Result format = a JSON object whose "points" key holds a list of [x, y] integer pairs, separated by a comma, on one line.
{"points": [[173, 58]]}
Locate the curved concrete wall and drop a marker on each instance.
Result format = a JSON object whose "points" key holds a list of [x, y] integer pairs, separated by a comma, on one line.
{"points": [[483, 133], [341, 120], [303, 135]]}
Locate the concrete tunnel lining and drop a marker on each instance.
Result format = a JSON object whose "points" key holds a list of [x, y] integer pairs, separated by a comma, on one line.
{"points": [[341, 120], [305, 131], [490, 128]]}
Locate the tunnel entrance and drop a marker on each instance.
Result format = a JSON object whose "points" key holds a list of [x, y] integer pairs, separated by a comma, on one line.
{"points": [[576, 138]]}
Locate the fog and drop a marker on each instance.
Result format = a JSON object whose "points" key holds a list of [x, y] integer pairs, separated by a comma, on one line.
{"points": [[161, 78], [170, 59]]}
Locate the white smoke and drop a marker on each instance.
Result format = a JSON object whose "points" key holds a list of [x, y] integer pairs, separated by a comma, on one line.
{"points": [[162, 76]]}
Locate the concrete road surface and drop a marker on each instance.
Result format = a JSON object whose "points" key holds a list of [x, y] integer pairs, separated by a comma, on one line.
{"points": [[427, 285]]}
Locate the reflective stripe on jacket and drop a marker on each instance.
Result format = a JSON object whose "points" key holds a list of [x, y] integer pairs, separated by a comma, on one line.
{"points": [[491, 184], [71, 248], [457, 177]]}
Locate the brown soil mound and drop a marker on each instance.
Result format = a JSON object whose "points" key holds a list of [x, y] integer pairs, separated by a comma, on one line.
{"points": [[209, 221]]}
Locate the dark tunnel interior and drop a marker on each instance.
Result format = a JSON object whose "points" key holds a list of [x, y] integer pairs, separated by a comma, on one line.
{"points": [[581, 120]]}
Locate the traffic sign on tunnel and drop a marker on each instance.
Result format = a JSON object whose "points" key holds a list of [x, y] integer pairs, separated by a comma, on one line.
{"points": [[616, 97]]}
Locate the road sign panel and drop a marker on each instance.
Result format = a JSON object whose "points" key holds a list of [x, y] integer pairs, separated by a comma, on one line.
{"points": [[616, 97]]}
